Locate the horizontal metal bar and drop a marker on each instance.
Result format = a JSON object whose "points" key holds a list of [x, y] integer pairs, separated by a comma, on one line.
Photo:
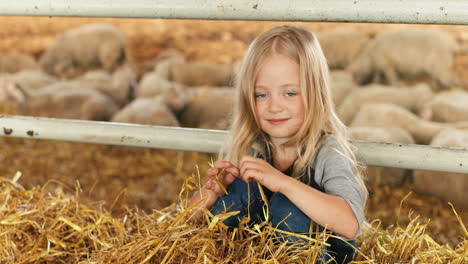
{"points": [[388, 11], [188, 139], [111, 133]]}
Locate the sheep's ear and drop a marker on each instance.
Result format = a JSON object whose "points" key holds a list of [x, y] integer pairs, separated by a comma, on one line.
{"points": [[16, 92]]}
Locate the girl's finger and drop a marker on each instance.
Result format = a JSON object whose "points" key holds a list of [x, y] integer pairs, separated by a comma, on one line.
{"points": [[249, 175], [222, 164], [234, 171], [212, 171], [250, 165], [209, 184]]}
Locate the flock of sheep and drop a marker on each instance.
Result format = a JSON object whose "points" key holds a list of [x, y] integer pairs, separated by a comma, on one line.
{"points": [[87, 74]]}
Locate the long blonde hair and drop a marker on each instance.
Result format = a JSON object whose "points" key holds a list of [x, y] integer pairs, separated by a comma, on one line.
{"points": [[320, 118]]}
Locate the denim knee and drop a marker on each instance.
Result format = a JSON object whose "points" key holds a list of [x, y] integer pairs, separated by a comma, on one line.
{"points": [[237, 199], [287, 217], [339, 250]]}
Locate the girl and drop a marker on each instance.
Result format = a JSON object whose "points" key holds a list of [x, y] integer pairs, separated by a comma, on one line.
{"points": [[286, 136]]}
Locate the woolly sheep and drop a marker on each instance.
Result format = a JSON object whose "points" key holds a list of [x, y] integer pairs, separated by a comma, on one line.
{"points": [[90, 46], [341, 46], [448, 186], [118, 85], [196, 74], [146, 111], [383, 175], [32, 79], [414, 99], [62, 100], [209, 108], [450, 106], [341, 85], [389, 115], [170, 54], [15, 62], [173, 94], [411, 53]]}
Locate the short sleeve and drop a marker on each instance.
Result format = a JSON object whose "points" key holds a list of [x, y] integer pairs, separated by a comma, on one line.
{"points": [[338, 178]]}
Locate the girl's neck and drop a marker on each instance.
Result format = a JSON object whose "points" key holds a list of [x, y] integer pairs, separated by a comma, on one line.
{"points": [[283, 157]]}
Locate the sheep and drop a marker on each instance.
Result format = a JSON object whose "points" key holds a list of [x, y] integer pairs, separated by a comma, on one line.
{"points": [[84, 48], [450, 106], [341, 46], [389, 115], [411, 53], [173, 93], [209, 108], [147, 111], [124, 81], [448, 186], [61, 100], [195, 74], [170, 54], [414, 99], [381, 175], [32, 79], [341, 84], [118, 85], [15, 62]]}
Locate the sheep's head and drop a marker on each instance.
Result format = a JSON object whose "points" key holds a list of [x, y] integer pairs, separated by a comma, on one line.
{"points": [[362, 69], [59, 65]]}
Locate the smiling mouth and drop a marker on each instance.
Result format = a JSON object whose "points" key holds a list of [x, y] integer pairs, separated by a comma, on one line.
{"points": [[277, 121]]}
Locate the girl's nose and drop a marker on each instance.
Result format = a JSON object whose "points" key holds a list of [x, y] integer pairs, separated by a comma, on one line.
{"points": [[275, 104]]}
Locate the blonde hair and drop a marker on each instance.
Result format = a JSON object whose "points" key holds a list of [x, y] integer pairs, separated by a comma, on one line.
{"points": [[320, 118]]}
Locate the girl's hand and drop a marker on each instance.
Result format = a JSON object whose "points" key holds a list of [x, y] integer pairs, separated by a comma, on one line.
{"points": [[226, 173], [254, 169]]}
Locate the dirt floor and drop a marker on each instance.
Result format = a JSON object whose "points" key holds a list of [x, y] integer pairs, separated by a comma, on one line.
{"points": [[105, 171]]}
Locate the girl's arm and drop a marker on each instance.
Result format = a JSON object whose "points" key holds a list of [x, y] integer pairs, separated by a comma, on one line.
{"points": [[322, 208]]}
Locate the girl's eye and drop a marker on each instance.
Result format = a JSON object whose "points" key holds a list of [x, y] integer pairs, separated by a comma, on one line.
{"points": [[260, 95], [291, 94]]}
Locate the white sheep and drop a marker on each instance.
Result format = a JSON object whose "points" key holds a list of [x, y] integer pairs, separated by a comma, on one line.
{"points": [[170, 54], [32, 79], [450, 106], [389, 115], [146, 111], [119, 85], [61, 100], [196, 73], [383, 175], [209, 108], [341, 46], [341, 84], [412, 53], [84, 48], [415, 99], [448, 186], [172, 93], [15, 62]]}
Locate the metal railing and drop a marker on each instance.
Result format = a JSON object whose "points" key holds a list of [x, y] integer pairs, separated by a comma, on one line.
{"points": [[188, 139], [388, 11]]}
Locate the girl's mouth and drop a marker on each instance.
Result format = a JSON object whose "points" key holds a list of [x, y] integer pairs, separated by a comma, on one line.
{"points": [[277, 121]]}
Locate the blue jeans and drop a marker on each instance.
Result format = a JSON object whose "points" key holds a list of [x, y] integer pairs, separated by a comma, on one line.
{"points": [[284, 215]]}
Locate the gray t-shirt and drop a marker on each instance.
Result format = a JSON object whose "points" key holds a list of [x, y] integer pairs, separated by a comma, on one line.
{"points": [[334, 174]]}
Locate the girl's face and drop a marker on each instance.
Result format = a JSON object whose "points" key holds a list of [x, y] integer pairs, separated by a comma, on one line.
{"points": [[278, 99]]}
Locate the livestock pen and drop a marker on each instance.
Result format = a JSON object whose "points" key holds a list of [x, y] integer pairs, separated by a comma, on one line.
{"points": [[85, 233]]}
